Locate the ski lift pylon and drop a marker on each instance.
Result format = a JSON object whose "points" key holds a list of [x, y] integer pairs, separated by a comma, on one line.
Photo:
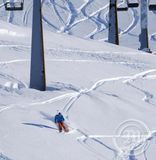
{"points": [[13, 5], [133, 3]]}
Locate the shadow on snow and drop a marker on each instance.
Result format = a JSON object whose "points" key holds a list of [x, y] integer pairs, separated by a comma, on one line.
{"points": [[39, 125], [46, 117]]}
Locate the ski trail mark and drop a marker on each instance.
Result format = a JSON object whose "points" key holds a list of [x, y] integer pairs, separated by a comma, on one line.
{"points": [[83, 140], [53, 3], [52, 100], [13, 61], [135, 21], [26, 13], [46, 21], [143, 75], [74, 96]]}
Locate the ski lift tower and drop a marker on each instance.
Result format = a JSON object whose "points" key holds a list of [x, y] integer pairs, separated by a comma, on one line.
{"points": [[143, 37], [113, 36], [37, 71]]}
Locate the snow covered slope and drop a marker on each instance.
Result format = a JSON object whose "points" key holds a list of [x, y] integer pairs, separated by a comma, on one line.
{"points": [[84, 18], [95, 85]]}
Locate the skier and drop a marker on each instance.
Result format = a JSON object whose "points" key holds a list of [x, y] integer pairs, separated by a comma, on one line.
{"points": [[59, 120]]}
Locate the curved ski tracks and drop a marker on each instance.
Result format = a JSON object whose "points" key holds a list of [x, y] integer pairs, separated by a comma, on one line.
{"points": [[98, 17], [135, 21], [26, 14], [95, 17], [74, 96]]}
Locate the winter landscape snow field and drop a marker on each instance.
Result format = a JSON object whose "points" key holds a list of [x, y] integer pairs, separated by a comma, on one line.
{"points": [[103, 90], [87, 19], [95, 85]]}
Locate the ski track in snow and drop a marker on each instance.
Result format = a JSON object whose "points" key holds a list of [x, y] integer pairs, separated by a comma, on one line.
{"points": [[83, 139], [66, 54], [54, 5], [99, 56], [73, 19], [14, 84], [126, 80], [135, 21], [119, 154], [74, 96], [26, 14], [48, 22], [101, 24]]}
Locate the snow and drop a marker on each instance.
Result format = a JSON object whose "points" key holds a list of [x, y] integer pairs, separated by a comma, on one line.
{"points": [[97, 86], [86, 19]]}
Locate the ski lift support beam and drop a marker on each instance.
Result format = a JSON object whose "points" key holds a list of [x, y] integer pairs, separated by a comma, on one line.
{"points": [[152, 7], [132, 3], [122, 9], [14, 6]]}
